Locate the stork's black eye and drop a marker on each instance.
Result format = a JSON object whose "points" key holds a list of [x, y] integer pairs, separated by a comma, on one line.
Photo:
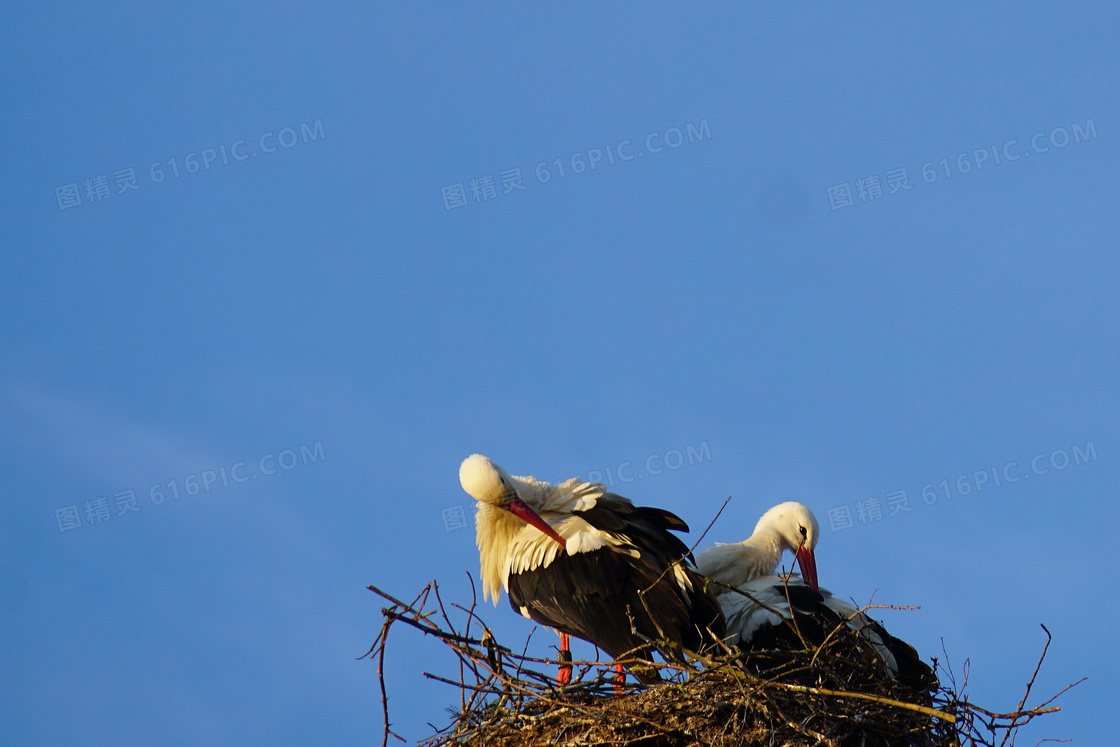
{"points": [[804, 533]]}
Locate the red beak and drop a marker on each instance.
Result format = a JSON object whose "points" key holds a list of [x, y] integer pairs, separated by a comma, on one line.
{"points": [[808, 565], [521, 510]]}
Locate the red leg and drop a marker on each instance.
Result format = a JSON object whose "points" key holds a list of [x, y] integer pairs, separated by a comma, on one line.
{"points": [[619, 678], [564, 673]]}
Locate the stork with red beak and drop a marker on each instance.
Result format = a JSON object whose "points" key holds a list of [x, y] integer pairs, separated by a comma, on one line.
{"points": [[788, 526], [758, 604], [591, 564]]}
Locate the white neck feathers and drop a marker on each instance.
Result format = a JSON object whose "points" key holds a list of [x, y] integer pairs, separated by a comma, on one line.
{"points": [[739, 562]]}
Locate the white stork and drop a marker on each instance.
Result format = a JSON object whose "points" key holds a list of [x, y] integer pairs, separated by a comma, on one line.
{"points": [[759, 603], [787, 526], [589, 563]]}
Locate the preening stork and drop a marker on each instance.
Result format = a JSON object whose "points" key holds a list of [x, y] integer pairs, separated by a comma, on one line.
{"points": [[760, 605], [591, 564], [787, 526]]}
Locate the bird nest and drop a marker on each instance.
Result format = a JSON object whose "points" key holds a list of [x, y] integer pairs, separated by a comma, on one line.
{"points": [[832, 694]]}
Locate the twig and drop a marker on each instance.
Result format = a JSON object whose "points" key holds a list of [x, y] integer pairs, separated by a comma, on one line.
{"points": [[864, 696]]}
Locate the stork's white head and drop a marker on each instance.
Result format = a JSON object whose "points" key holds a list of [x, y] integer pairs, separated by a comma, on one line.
{"points": [[797, 530], [794, 523], [488, 483]]}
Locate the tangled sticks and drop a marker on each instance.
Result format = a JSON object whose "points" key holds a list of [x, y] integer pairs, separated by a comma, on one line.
{"points": [[819, 695]]}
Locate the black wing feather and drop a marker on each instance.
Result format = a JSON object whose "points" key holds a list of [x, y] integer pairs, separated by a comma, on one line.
{"points": [[613, 513], [605, 595], [814, 621], [597, 596]]}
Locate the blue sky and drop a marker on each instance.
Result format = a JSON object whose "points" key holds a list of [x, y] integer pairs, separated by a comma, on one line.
{"points": [[361, 275]]}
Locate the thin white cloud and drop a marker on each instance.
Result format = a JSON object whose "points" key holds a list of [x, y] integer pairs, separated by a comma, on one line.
{"points": [[108, 441]]}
